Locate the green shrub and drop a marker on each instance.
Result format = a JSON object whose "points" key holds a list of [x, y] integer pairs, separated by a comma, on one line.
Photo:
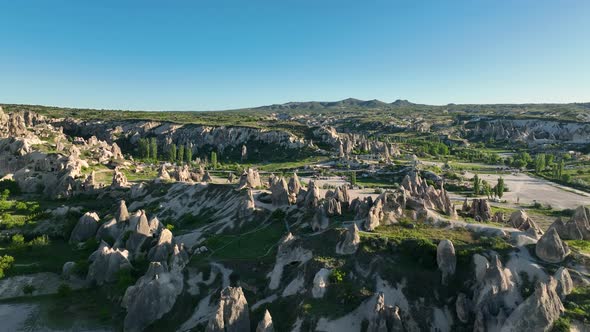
{"points": [[561, 325], [5, 263], [39, 241], [337, 276], [18, 240], [170, 227], [28, 289]]}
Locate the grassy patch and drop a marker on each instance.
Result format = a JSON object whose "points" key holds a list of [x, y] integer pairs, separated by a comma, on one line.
{"points": [[577, 304], [249, 245], [581, 245], [46, 258]]}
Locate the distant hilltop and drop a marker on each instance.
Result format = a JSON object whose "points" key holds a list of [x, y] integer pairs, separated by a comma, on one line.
{"points": [[345, 103]]}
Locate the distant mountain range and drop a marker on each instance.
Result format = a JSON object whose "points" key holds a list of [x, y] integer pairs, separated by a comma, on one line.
{"points": [[349, 103]]}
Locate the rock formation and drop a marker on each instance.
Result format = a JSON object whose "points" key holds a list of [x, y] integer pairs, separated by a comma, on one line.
{"points": [[163, 174], [384, 318], [232, 313], [250, 179], [446, 259], [565, 284], [122, 212], [320, 283], [550, 248], [294, 188], [289, 252], [279, 191], [521, 221], [319, 220], [480, 210], [155, 293], [106, 262], [265, 324], [207, 177], [420, 195], [85, 228], [349, 245], [312, 195], [537, 312], [119, 180]]}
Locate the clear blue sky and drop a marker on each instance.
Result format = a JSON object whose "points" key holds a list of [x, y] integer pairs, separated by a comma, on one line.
{"points": [[217, 54]]}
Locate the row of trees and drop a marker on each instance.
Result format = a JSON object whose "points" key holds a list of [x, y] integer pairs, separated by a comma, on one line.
{"points": [[148, 149], [483, 187]]}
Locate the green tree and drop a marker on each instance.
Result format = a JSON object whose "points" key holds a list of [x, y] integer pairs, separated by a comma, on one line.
{"points": [[500, 188], [153, 148], [214, 159], [539, 163], [549, 159], [476, 184], [4, 195], [189, 154], [144, 149], [353, 178], [180, 156], [172, 153], [487, 189], [5, 263]]}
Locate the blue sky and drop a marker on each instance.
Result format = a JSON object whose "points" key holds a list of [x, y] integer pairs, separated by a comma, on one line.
{"points": [[218, 54]]}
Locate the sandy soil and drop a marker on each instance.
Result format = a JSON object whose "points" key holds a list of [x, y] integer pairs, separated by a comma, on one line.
{"points": [[527, 189]]}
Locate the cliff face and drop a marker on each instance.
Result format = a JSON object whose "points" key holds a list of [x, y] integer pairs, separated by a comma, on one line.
{"points": [[167, 133], [531, 131]]}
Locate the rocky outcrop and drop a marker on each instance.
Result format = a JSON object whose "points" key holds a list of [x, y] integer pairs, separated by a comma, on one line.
{"points": [[183, 173], [480, 210], [250, 179], [163, 174], [139, 234], [106, 263], [320, 283], [565, 284], [420, 195], [320, 220], [349, 245], [446, 259], [207, 177], [550, 248], [386, 209], [312, 196], [163, 248], [85, 228], [531, 131], [495, 281], [279, 191], [244, 155], [265, 324], [568, 230], [155, 293], [289, 252], [294, 187], [577, 228], [463, 307], [122, 212], [538, 311], [119, 180], [521, 221], [499, 217], [232, 313], [581, 217], [384, 318], [332, 207]]}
